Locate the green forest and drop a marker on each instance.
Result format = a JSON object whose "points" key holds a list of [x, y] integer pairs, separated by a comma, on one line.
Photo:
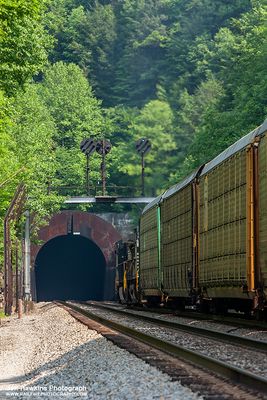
{"points": [[189, 75]]}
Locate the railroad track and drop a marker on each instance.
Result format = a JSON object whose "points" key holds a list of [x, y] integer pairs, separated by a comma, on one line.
{"points": [[208, 333], [235, 375], [236, 320]]}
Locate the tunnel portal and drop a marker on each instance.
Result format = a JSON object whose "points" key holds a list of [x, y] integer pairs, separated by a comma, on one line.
{"points": [[73, 242], [70, 267]]}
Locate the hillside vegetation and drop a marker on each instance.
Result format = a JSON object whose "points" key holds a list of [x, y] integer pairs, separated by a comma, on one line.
{"points": [[190, 75]]}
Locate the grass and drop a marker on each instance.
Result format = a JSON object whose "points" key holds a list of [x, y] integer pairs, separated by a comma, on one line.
{"points": [[2, 314]]}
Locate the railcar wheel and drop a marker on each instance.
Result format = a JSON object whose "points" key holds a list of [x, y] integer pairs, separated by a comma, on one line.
{"points": [[219, 307], [153, 301], [122, 296], [176, 304], [204, 307], [260, 315], [132, 294]]}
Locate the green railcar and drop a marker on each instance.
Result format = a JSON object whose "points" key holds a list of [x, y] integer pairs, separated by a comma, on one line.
{"points": [[150, 279]]}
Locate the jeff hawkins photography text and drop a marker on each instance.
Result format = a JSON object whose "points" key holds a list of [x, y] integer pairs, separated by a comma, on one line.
{"points": [[48, 391]]}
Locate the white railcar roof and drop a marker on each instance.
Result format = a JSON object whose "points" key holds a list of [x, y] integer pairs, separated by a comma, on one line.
{"points": [[234, 148], [180, 185], [152, 204]]}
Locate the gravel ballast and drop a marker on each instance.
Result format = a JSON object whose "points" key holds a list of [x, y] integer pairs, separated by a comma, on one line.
{"points": [[48, 354], [251, 333], [249, 360]]}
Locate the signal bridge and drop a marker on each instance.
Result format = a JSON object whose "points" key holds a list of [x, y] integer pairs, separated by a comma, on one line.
{"points": [[109, 199]]}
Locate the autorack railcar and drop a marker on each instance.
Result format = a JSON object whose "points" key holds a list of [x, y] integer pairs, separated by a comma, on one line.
{"points": [[226, 229], [179, 224], [204, 241], [150, 281]]}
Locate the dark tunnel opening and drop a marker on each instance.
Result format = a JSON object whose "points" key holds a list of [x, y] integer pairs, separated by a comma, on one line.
{"points": [[70, 267]]}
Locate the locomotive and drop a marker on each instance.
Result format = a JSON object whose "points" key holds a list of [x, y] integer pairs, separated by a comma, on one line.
{"points": [[203, 242]]}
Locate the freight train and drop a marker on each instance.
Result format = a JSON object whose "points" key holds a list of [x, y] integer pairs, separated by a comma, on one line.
{"points": [[203, 242]]}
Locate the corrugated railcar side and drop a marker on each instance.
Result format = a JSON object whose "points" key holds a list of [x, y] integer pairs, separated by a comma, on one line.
{"points": [[207, 235], [262, 209], [225, 230], [178, 241], [149, 270]]}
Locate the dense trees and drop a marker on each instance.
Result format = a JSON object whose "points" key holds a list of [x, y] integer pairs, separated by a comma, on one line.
{"points": [[236, 57], [85, 37], [154, 122], [141, 32], [23, 53], [194, 55], [76, 115], [23, 42], [187, 74], [129, 47], [8, 160]]}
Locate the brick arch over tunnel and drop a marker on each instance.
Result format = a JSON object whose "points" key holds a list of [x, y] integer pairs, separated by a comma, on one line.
{"points": [[89, 226]]}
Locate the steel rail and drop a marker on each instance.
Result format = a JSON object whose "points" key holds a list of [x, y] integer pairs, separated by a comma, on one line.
{"points": [[210, 333], [226, 320], [237, 321], [228, 371]]}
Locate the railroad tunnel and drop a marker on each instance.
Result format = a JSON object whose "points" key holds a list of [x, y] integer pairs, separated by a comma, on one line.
{"points": [[70, 267], [76, 259]]}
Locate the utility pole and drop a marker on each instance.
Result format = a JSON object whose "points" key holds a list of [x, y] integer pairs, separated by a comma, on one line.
{"points": [[12, 215], [143, 146], [88, 146], [103, 170], [103, 147], [27, 258], [143, 174], [87, 175]]}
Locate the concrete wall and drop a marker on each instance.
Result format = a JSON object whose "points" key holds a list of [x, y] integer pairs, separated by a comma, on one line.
{"points": [[122, 222]]}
